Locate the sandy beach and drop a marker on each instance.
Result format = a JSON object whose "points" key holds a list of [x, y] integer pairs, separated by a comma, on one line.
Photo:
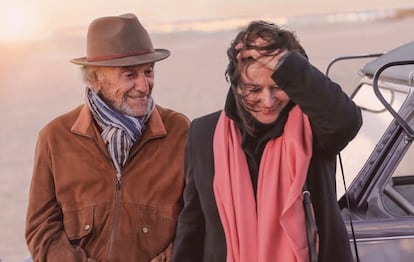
{"points": [[37, 83]]}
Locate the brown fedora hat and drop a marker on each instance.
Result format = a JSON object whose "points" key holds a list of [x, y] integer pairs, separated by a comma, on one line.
{"points": [[119, 41]]}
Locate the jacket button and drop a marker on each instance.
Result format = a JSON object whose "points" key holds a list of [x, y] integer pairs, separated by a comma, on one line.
{"points": [[86, 227], [145, 230]]}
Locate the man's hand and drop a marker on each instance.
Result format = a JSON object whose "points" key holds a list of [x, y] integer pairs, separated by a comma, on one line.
{"points": [[160, 258], [164, 256]]}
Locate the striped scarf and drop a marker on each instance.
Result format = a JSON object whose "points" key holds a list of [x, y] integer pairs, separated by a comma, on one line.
{"points": [[120, 131]]}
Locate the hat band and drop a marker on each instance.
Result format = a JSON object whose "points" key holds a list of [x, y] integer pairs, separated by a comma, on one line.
{"points": [[109, 57]]}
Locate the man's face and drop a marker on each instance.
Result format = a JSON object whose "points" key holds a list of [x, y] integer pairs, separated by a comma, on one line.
{"points": [[126, 89]]}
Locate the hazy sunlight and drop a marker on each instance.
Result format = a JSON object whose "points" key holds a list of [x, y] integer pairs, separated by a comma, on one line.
{"points": [[18, 22]]}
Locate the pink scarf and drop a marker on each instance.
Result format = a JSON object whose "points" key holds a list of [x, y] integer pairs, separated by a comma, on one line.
{"points": [[275, 229]]}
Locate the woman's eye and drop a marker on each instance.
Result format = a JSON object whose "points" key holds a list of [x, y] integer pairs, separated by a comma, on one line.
{"points": [[254, 89]]}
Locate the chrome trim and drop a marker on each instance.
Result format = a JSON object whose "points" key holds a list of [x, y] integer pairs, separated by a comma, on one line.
{"points": [[382, 238]]}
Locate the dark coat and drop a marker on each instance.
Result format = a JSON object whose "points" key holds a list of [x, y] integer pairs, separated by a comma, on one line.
{"points": [[334, 119]]}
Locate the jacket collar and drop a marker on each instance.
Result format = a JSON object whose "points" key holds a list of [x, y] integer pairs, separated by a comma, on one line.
{"points": [[85, 125]]}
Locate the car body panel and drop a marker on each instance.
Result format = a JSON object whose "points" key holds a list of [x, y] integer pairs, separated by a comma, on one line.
{"points": [[378, 206]]}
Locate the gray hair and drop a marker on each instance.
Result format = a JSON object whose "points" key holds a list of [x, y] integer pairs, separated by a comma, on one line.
{"points": [[89, 76]]}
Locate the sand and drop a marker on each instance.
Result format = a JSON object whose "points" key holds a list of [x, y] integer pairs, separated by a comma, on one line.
{"points": [[38, 83]]}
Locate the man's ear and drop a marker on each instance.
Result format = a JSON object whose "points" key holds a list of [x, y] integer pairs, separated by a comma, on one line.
{"points": [[97, 78]]}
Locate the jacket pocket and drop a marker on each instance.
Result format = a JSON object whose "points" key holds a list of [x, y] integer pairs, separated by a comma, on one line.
{"points": [[156, 229], [78, 223]]}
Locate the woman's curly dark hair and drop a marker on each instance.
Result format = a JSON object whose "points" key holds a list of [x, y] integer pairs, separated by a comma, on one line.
{"points": [[275, 38]]}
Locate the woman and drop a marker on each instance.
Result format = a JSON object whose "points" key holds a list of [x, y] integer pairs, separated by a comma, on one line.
{"points": [[246, 166]]}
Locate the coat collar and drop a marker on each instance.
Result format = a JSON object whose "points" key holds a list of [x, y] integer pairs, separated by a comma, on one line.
{"points": [[85, 125]]}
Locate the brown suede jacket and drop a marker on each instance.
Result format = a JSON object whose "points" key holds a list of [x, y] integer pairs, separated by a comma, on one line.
{"points": [[78, 212]]}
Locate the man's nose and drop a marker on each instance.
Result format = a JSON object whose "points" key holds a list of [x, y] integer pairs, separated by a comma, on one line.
{"points": [[141, 83]]}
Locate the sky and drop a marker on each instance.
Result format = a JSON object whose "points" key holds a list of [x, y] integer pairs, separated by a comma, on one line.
{"points": [[25, 20]]}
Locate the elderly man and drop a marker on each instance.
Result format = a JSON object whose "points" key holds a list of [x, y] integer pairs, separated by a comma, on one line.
{"points": [[108, 176]]}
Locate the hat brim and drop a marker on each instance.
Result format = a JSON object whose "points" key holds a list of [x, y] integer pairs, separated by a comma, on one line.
{"points": [[157, 55]]}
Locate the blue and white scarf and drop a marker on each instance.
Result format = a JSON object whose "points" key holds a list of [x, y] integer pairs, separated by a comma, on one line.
{"points": [[120, 131]]}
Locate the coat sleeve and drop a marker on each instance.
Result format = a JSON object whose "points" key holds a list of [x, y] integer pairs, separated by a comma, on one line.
{"points": [[189, 240], [334, 117], [45, 234]]}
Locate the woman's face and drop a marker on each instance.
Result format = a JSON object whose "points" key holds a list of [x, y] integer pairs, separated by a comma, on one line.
{"points": [[264, 99]]}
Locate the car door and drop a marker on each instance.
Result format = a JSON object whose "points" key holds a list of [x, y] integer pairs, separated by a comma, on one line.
{"points": [[378, 206], [381, 213]]}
